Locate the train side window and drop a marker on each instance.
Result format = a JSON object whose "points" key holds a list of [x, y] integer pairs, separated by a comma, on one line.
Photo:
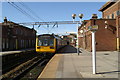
{"points": [[51, 42]]}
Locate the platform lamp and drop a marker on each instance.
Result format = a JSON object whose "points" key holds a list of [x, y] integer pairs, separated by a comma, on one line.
{"points": [[73, 16], [80, 16]]}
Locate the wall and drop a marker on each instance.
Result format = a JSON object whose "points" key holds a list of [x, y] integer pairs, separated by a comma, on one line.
{"points": [[109, 11], [17, 37], [105, 38]]}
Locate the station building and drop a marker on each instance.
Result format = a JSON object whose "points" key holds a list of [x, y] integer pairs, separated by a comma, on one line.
{"points": [[111, 10], [15, 36], [108, 34], [72, 39]]}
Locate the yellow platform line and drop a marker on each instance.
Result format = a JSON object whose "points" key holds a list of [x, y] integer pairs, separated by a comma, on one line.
{"points": [[46, 67]]}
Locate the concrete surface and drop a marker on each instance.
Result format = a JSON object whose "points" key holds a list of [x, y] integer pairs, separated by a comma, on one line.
{"points": [[67, 64]]}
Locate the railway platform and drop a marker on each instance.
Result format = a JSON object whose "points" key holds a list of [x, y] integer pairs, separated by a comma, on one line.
{"points": [[67, 64], [11, 59], [16, 51]]}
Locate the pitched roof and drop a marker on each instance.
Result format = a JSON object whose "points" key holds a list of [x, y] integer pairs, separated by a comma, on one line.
{"points": [[106, 5], [15, 24]]}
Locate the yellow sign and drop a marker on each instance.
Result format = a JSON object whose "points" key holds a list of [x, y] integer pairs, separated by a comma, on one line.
{"points": [[93, 28]]}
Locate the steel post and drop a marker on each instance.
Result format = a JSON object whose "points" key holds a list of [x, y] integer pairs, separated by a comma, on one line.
{"points": [[93, 52]]}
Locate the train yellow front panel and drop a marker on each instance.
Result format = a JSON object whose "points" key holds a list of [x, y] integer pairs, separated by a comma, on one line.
{"points": [[45, 49]]}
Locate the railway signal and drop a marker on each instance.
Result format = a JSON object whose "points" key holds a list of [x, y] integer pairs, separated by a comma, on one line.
{"points": [[93, 29]]}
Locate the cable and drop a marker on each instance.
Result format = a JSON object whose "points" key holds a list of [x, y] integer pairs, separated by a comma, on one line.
{"points": [[21, 10], [28, 15], [25, 6], [31, 11]]}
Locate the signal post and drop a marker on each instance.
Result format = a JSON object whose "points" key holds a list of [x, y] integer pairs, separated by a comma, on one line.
{"points": [[93, 29]]}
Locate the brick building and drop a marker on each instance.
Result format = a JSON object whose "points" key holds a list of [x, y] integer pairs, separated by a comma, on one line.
{"points": [[108, 34], [111, 10], [72, 39], [15, 36], [105, 38]]}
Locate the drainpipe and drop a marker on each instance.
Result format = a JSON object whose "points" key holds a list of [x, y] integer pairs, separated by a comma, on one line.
{"points": [[118, 39]]}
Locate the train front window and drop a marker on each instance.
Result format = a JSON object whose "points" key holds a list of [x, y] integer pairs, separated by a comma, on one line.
{"points": [[39, 43], [46, 41]]}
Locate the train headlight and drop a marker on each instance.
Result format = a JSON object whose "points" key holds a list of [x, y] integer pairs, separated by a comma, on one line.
{"points": [[38, 47], [51, 47]]}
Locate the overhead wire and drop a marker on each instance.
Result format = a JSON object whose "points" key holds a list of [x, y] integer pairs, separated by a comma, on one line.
{"points": [[35, 18], [25, 6], [22, 11], [52, 27], [31, 11], [34, 13]]}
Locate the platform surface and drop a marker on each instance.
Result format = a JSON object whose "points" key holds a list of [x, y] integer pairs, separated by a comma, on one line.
{"points": [[16, 51], [68, 64]]}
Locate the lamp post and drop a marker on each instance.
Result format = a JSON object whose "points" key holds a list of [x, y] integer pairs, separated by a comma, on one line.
{"points": [[80, 16]]}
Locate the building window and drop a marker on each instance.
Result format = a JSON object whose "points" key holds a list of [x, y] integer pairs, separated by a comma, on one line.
{"points": [[3, 43], [16, 44], [112, 16], [21, 32], [29, 43], [16, 31], [118, 13], [108, 17], [7, 44], [21, 43]]}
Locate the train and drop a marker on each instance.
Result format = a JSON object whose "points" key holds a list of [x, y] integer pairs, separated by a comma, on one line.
{"points": [[49, 43]]}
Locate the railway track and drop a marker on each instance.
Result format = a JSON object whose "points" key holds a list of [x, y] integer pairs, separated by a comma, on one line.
{"points": [[21, 71], [11, 61]]}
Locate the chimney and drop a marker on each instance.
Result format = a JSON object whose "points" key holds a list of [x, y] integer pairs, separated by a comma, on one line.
{"points": [[94, 16], [5, 19]]}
